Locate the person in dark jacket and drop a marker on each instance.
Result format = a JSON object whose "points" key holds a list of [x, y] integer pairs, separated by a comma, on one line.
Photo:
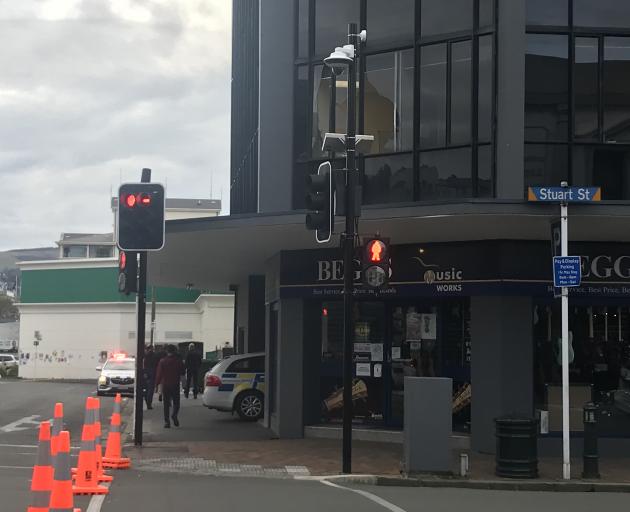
{"points": [[193, 363], [151, 360], [169, 372]]}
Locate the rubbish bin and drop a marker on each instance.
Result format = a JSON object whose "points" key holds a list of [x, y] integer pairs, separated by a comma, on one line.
{"points": [[517, 447]]}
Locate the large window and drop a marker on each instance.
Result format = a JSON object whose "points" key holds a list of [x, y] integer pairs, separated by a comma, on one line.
{"points": [[425, 91], [577, 105], [75, 251]]}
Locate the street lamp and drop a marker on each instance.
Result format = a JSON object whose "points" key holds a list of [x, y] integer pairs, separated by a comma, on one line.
{"points": [[342, 57]]}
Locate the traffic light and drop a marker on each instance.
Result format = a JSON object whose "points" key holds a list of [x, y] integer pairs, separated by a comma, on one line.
{"points": [[140, 217], [319, 203], [375, 262], [127, 272]]}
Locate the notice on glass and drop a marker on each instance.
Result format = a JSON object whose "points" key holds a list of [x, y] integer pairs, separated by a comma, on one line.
{"points": [[364, 370], [395, 352], [378, 370], [415, 345], [428, 324], [362, 347], [376, 351], [414, 325]]}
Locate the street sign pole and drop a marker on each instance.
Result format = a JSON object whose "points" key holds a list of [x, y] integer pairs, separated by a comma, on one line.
{"points": [[566, 448]]}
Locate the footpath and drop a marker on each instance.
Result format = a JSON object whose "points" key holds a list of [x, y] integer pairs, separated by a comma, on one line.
{"points": [[215, 443]]}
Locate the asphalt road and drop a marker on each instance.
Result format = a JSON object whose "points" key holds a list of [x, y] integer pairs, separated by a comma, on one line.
{"points": [[23, 404]]}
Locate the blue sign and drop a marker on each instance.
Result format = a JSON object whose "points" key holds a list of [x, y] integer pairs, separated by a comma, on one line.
{"points": [[565, 194], [567, 271]]}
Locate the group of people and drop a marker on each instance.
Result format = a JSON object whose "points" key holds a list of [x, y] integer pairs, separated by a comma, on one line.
{"points": [[163, 373]]}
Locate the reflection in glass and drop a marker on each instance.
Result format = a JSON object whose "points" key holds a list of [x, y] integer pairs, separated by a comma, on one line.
{"points": [[388, 101], [586, 88], [388, 179], [390, 23], [486, 13], [460, 93], [436, 19], [601, 13], [616, 97], [322, 94], [546, 88], [548, 12], [485, 158], [331, 23], [433, 95], [486, 89], [445, 174], [604, 167], [546, 164]]}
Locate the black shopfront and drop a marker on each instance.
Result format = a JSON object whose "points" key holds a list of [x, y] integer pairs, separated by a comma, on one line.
{"points": [[421, 326]]}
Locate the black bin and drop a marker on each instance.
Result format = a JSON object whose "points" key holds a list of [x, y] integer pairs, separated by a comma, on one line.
{"points": [[517, 447]]}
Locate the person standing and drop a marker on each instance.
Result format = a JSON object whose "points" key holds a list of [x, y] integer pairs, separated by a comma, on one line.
{"points": [[169, 372], [193, 364], [151, 361]]}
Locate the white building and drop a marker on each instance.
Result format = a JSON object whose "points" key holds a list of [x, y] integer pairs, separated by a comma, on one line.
{"points": [[72, 315]]}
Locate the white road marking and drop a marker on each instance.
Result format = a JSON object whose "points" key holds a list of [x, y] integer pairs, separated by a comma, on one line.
{"points": [[97, 501], [16, 467], [372, 497], [34, 446], [31, 421]]}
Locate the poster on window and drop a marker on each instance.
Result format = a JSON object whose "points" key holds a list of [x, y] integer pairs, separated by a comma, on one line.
{"points": [[428, 323], [414, 325], [376, 351]]}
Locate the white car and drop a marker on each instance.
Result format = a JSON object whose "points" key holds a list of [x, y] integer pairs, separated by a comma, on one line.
{"points": [[9, 360], [118, 375], [237, 383]]}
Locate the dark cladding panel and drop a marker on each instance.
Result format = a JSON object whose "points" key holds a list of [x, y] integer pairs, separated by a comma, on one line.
{"points": [[244, 139]]}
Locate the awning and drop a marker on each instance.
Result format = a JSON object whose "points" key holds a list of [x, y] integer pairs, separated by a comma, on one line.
{"points": [[214, 253]]}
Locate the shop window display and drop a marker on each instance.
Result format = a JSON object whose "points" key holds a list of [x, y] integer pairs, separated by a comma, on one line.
{"points": [[599, 370]]}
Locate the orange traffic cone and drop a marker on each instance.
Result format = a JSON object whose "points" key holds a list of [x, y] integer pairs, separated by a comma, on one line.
{"points": [[41, 484], [98, 436], [86, 481], [113, 453], [57, 427], [61, 497]]}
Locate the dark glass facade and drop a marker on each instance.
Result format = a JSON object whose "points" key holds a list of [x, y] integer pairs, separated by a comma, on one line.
{"points": [[426, 93], [577, 104]]}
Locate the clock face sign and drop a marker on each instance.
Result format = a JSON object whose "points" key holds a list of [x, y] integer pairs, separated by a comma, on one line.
{"points": [[375, 276]]}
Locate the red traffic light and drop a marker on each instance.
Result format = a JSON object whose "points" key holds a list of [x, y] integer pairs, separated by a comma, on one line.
{"points": [[122, 260], [145, 199], [130, 201], [377, 251]]}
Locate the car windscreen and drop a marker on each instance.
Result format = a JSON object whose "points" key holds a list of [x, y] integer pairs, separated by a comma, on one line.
{"points": [[120, 365]]}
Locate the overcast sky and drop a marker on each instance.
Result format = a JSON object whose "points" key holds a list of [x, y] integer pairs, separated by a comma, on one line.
{"points": [[91, 91]]}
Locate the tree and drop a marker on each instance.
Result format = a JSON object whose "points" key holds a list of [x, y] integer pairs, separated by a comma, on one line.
{"points": [[8, 311]]}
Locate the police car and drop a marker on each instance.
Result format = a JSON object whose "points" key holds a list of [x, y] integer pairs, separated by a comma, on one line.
{"points": [[237, 383], [117, 375]]}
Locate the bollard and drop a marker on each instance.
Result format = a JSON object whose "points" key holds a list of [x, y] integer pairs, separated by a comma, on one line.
{"points": [[591, 454]]}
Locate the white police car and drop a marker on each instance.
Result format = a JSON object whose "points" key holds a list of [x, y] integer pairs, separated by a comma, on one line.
{"points": [[237, 383], [118, 375]]}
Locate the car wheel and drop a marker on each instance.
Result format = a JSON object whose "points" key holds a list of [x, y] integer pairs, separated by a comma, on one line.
{"points": [[250, 405]]}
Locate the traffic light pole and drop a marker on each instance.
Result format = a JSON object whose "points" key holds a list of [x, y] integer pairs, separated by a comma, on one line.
{"points": [[140, 336], [348, 256]]}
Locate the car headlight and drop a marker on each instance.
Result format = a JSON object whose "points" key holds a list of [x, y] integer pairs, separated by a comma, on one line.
{"points": [[102, 380]]}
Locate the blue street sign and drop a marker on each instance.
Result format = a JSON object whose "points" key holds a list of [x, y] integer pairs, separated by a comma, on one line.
{"points": [[565, 194], [567, 271]]}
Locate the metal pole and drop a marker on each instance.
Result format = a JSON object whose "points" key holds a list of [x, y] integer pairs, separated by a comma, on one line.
{"points": [[566, 448], [141, 308], [152, 316], [348, 258]]}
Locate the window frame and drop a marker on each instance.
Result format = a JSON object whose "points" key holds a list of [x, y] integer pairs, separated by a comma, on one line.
{"points": [[472, 35]]}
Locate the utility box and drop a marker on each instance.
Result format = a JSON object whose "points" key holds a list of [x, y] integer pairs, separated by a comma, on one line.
{"points": [[428, 425]]}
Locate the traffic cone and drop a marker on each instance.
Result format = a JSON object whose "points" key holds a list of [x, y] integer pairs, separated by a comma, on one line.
{"points": [[86, 481], [42, 481], [98, 436], [61, 497], [57, 427], [113, 453]]}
